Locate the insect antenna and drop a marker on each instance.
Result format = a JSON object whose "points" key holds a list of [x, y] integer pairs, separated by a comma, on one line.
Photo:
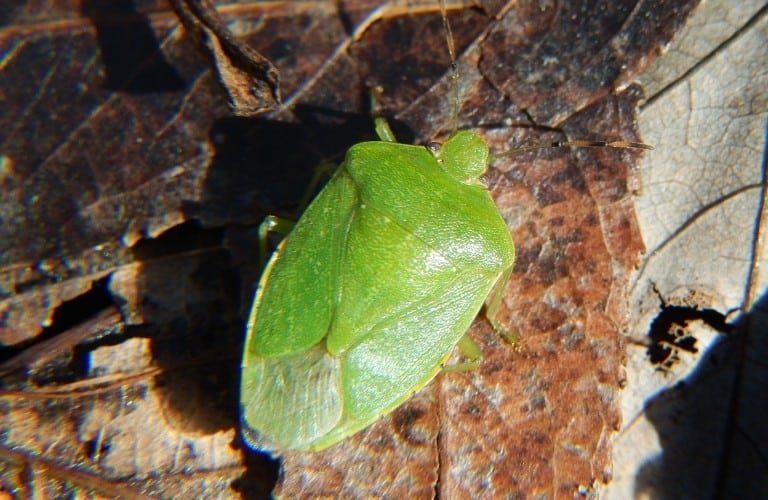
{"points": [[454, 67], [576, 143], [580, 143]]}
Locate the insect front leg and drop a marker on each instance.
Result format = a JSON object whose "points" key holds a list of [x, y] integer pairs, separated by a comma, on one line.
{"points": [[271, 224], [380, 123], [275, 224]]}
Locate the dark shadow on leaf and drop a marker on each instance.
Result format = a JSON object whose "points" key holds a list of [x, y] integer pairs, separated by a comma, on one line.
{"points": [[59, 354], [8, 8], [263, 167], [713, 426], [260, 480], [190, 306], [129, 49]]}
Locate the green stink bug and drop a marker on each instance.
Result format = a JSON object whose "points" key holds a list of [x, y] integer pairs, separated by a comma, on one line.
{"points": [[364, 300], [378, 281], [366, 297]]}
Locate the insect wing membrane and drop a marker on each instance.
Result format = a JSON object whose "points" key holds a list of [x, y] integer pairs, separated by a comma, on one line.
{"points": [[289, 402], [291, 387]]}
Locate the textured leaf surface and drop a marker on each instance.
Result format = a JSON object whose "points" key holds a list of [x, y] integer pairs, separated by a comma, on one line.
{"points": [[704, 273], [126, 183]]}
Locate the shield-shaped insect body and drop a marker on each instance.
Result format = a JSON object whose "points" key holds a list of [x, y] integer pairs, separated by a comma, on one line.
{"points": [[364, 300]]}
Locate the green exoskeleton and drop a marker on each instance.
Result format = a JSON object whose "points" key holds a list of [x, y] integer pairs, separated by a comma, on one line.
{"points": [[366, 297]]}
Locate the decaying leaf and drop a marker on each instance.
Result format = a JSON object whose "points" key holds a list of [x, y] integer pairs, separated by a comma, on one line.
{"points": [[250, 79], [702, 214], [142, 181]]}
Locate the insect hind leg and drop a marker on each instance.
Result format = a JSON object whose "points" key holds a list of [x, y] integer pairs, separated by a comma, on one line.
{"points": [[471, 351]]}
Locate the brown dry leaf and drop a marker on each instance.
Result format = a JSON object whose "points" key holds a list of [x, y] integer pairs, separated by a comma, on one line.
{"points": [[250, 79], [127, 183]]}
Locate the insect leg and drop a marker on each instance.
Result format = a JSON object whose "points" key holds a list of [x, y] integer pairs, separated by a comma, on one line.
{"points": [[271, 224], [471, 351], [380, 123], [324, 169], [494, 305]]}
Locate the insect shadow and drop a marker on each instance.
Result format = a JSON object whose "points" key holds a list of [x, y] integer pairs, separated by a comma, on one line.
{"points": [[199, 303], [264, 166]]}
